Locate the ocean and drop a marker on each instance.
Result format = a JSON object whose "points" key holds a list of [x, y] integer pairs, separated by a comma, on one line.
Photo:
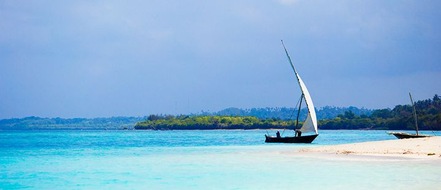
{"points": [[219, 159]]}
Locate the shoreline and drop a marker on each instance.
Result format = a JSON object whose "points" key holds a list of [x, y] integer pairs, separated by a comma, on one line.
{"points": [[428, 148]]}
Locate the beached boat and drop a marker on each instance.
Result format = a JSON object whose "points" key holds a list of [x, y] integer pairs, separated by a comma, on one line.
{"points": [[309, 125], [403, 135]]}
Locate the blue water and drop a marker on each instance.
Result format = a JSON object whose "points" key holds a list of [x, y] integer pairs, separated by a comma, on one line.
{"points": [[230, 159]]}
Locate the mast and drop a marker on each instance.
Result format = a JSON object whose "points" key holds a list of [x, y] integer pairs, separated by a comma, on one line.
{"points": [[290, 62], [310, 123], [298, 112], [414, 114]]}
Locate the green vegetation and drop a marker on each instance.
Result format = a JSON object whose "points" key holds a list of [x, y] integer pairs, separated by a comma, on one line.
{"points": [[399, 118], [327, 112], [155, 122], [269, 118]]}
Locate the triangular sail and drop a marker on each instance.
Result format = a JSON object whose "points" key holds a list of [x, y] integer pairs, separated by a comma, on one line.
{"points": [[310, 124]]}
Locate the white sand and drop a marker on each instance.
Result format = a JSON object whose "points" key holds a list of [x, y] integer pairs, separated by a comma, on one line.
{"points": [[429, 147]]}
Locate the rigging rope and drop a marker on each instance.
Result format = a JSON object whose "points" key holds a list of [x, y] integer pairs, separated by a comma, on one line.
{"points": [[293, 111]]}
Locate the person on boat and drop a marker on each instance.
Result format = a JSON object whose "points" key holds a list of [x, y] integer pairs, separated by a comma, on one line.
{"points": [[278, 134], [298, 133]]}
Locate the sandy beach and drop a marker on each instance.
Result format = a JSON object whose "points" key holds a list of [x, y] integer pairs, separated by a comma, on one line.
{"points": [[425, 148]]}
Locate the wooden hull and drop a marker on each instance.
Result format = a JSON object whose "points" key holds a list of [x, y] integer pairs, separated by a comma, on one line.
{"points": [[401, 135], [301, 139]]}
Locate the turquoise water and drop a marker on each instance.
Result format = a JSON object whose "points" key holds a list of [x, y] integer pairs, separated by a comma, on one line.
{"points": [[196, 160]]}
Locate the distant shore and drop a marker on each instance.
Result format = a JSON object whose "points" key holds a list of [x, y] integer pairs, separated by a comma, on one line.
{"points": [[422, 148]]}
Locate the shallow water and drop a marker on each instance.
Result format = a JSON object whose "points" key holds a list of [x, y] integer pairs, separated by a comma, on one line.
{"points": [[196, 160]]}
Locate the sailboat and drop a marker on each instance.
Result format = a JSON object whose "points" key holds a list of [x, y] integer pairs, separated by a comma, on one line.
{"points": [[309, 125], [402, 135]]}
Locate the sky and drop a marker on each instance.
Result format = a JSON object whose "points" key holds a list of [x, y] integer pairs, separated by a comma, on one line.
{"points": [[82, 58]]}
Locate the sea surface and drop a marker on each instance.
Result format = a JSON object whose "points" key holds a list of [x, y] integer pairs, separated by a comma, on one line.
{"points": [[220, 159]]}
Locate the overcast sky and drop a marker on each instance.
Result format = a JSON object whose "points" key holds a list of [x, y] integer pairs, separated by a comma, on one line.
{"points": [[78, 58]]}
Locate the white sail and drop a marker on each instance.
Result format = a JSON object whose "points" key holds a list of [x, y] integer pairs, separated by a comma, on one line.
{"points": [[310, 124]]}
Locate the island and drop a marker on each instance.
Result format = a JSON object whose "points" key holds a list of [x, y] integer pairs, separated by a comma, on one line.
{"points": [[329, 118], [398, 118]]}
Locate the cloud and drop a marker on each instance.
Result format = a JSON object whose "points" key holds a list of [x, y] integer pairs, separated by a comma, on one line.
{"points": [[147, 56]]}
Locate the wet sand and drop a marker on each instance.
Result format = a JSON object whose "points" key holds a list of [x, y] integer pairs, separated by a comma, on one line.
{"points": [[421, 148]]}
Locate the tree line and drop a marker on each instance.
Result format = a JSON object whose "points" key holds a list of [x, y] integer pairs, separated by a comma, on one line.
{"points": [[284, 113], [169, 122], [398, 118]]}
